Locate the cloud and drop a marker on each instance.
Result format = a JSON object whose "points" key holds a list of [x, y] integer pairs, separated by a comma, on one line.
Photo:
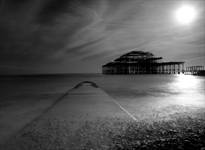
{"points": [[51, 33], [52, 9]]}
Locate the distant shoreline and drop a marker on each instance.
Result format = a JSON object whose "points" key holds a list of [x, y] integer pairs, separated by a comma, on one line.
{"points": [[47, 74]]}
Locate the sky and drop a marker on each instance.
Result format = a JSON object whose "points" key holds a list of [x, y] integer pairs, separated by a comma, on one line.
{"points": [[79, 36]]}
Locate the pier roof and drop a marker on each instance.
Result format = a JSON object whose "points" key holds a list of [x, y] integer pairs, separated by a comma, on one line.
{"points": [[172, 63], [136, 59], [138, 53], [142, 63], [136, 56], [139, 57]]}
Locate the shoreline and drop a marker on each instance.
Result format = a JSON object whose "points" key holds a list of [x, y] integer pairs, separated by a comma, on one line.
{"points": [[156, 104]]}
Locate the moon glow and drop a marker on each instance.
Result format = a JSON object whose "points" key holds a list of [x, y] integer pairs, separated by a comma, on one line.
{"points": [[185, 14]]}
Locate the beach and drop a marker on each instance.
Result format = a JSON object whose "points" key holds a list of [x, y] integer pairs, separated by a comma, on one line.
{"points": [[155, 101]]}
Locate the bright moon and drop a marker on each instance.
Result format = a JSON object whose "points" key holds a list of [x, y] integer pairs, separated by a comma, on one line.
{"points": [[186, 14]]}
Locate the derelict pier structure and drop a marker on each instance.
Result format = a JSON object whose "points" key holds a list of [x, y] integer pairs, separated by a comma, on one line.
{"points": [[139, 62], [195, 70]]}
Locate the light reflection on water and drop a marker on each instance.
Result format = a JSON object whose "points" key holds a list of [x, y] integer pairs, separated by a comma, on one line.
{"points": [[144, 96], [186, 82], [190, 89], [158, 90]]}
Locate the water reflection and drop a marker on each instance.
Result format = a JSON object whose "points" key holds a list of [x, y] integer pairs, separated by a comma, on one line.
{"points": [[190, 90], [187, 82]]}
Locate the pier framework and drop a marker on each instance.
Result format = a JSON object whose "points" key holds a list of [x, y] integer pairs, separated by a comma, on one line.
{"points": [[195, 70], [138, 62]]}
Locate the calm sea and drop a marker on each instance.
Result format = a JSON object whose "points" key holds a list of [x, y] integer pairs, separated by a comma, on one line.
{"points": [[179, 89]]}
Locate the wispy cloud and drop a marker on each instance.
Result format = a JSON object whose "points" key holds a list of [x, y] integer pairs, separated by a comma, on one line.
{"points": [[44, 33]]}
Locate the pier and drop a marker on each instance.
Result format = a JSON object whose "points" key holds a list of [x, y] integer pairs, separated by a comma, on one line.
{"points": [[138, 62], [170, 68], [195, 70]]}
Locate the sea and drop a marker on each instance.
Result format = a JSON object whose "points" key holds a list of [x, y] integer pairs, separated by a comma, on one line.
{"points": [[189, 87], [23, 98], [175, 89]]}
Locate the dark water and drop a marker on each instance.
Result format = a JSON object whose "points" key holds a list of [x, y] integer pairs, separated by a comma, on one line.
{"points": [[191, 87], [184, 89]]}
